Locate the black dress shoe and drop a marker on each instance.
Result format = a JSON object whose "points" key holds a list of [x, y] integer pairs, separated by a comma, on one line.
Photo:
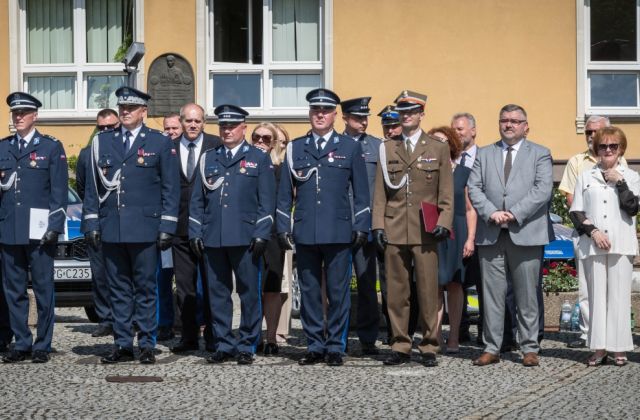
{"points": [[4, 347], [219, 357], [397, 358], [117, 356], [334, 359], [165, 333], [577, 344], [311, 358], [369, 349], [429, 360], [40, 356], [16, 356], [103, 330], [147, 356], [244, 358], [183, 347], [271, 349]]}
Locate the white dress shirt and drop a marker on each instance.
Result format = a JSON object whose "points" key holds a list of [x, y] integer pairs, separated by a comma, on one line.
{"points": [[234, 150], [326, 138], [184, 151], [471, 156], [514, 151], [414, 138], [26, 138]]}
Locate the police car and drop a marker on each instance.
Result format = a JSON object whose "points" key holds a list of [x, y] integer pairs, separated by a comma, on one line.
{"points": [[72, 272]]}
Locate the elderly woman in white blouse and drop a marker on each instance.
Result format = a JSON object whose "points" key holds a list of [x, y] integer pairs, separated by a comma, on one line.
{"points": [[603, 212]]}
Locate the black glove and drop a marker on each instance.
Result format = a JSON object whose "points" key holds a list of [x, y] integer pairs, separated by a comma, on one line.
{"points": [[93, 239], [258, 246], [164, 240], [197, 246], [440, 232], [381, 240], [285, 240], [49, 238], [358, 239]]}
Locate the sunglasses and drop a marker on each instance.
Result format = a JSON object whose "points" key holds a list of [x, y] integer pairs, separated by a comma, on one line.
{"points": [[265, 138], [106, 127], [603, 147], [589, 133]]}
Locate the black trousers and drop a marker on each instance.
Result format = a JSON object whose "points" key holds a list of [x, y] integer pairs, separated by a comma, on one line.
{"points": [[186, 268]]}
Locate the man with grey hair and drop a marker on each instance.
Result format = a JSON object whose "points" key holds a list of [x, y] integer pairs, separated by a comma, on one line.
{"points": [[465, 125], [575, 166]]}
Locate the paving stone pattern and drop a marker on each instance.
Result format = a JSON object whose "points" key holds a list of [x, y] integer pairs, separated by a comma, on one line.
{"points": [[73, 385]]}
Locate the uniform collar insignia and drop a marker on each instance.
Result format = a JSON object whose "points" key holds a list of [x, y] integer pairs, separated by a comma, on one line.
{"points": [[142, 134], [117, 133], [36, 141], [336, 140], [307, 141], [245, 148], [219, 151], [13, 141]]}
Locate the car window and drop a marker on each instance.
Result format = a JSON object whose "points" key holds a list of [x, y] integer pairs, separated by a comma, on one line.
{"points": [[73, 197]]}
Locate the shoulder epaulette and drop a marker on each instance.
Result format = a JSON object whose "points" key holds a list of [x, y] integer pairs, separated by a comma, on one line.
{"points": [[434, 138], [50, 137]]}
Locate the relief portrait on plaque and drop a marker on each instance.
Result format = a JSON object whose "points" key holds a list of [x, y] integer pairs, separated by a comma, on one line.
{"points": [[170, 84]]}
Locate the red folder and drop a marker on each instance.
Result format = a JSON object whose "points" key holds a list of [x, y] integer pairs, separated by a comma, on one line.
{"points": [[430, 214]]}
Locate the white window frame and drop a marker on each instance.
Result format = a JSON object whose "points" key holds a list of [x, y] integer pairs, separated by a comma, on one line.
{"points": [[269, 67], [79, 68], [586, 67]]}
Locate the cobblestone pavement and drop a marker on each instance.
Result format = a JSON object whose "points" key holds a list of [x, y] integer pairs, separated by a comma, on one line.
{"points": [[73, 385]]}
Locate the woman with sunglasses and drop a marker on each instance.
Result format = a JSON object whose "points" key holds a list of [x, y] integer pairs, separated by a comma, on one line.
{"points": [[265, 137], [603, 212], [452, 251]]}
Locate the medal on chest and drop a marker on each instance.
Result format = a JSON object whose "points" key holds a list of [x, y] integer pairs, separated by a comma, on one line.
{"points": [[331, 158], [140, 156], [32, 157], [243, 166]]}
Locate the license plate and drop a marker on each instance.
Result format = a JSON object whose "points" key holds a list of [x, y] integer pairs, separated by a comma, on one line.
{"points": [[72, 273]]}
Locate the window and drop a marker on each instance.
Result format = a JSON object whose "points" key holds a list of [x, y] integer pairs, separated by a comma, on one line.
{"points": [[612, 66], [71, 52], [265, 55]]}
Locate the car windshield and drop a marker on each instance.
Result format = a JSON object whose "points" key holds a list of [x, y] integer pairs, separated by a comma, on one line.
{"points": [[73, 197]]}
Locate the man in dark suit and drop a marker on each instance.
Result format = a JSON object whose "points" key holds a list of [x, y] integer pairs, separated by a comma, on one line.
{"points": [[190, 146], [131, 207], [107, 119], [355, 114], [509, 187], [319, 170]]}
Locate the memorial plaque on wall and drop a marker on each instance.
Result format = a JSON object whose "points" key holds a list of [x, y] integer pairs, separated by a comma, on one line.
{"points": [[170, 84]]}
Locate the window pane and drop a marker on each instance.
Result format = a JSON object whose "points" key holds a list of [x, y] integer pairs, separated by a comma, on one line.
{"points": [[55, 92], [49, 31], [613, 30], [614, 90], [296, 30], [109, 30], [232, 19], [101, 91], [289, 90], [236, 89]]}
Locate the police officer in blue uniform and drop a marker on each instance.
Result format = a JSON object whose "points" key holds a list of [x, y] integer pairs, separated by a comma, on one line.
{"points": [[131, 207], [33, 204], [355, 114], [230, 220], [320, 168]]}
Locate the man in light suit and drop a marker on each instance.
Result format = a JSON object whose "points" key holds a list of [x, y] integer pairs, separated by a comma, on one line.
{"points": [[510, 186]]}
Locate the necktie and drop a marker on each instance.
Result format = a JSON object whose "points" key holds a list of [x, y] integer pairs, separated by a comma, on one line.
{"points": [[507, 164], [23, 145], [463, 159], [191, 159], [127, 141], [229, 155], [409, 146], [320, 143]]}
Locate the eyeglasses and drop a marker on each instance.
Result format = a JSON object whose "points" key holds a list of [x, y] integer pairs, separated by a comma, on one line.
{"points": [[513, 122], [106, 127], [613, 147], [265, 138], [589, 133]]}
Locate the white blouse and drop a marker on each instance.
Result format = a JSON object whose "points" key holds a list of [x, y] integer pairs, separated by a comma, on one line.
{"points": [[599, 200]]}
